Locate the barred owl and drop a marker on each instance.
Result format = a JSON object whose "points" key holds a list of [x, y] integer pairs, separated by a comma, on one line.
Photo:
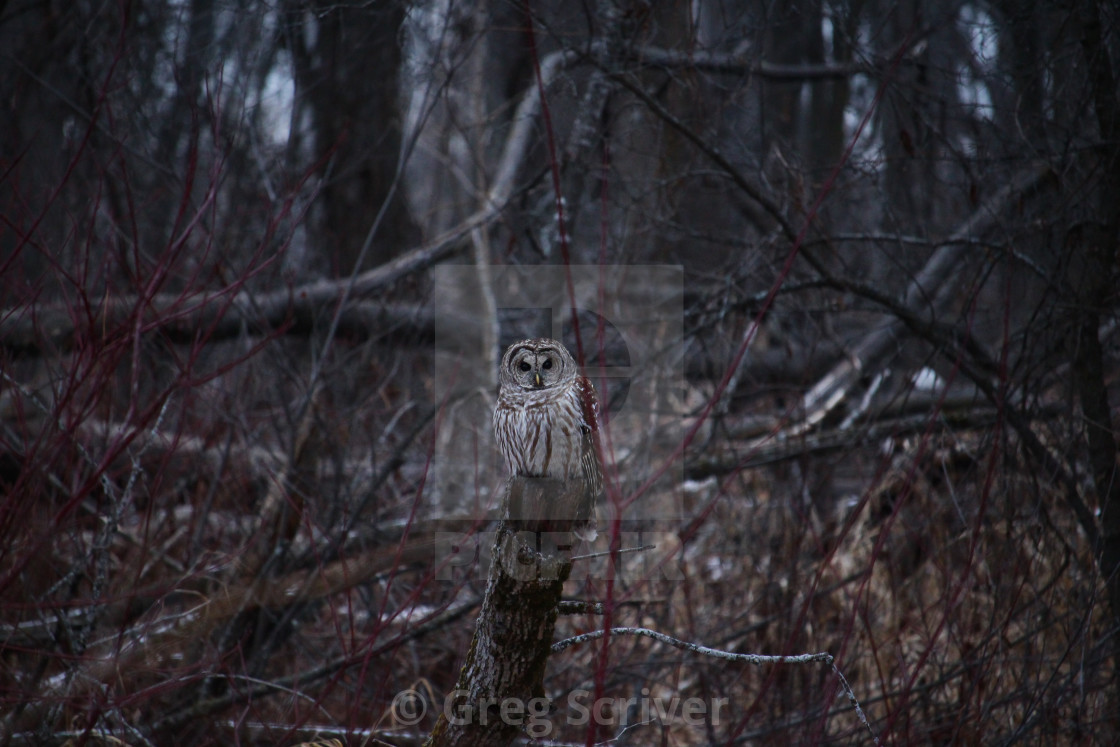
{"points": [[546, 419]]}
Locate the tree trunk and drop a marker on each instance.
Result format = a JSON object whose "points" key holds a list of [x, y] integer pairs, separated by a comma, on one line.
{"points": [[1095, 246], [348, 64], [501, 683]]}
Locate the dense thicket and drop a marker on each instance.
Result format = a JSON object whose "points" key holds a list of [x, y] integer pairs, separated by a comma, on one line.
{"points": [[887, 429]]}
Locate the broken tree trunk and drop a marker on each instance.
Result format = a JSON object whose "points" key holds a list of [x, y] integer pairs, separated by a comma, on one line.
{"points": [[504, 669]]}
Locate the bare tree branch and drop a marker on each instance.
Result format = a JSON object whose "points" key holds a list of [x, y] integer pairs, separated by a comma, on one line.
{"points": [[35, 329], [925, 296], [739, 63]]}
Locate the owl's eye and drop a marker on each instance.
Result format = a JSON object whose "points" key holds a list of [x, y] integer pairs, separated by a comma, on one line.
{"points": [[524, 366], [547, 363]]}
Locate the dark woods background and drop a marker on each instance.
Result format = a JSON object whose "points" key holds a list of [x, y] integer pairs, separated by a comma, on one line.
{"points": [[217, 407]]}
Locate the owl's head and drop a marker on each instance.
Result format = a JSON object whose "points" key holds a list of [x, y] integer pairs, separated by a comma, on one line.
{"points": [[537, 364]]}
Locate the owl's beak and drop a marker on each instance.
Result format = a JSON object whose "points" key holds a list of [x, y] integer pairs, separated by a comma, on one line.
{"points": [[537, 378]]}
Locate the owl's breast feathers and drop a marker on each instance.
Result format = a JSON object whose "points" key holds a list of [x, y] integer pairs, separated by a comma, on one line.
{"points": [[550, 433]]}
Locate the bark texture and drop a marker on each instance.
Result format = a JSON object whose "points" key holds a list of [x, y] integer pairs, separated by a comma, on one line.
{"points": [[513, 638]]}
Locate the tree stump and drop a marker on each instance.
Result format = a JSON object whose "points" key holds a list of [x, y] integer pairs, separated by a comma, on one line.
{"points": [[501, 683]]}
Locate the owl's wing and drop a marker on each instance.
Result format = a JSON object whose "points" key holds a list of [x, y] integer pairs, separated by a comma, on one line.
{"points": [[591, 447]]}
